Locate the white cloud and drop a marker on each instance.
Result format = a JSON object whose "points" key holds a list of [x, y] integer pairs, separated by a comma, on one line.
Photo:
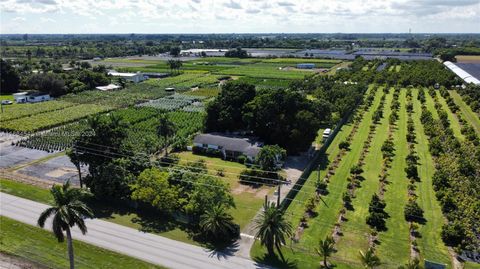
{"points": [[244, 15]]}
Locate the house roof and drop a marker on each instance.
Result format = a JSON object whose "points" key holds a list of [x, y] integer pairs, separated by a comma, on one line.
{"points": [[247, 146], [119, 74], [108, 87]]}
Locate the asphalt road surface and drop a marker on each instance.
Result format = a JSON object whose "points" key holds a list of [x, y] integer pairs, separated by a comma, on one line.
{"points": [[148, 247]]}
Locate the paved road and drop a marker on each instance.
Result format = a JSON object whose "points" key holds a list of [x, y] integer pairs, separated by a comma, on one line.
{"points": [[148, 247]]}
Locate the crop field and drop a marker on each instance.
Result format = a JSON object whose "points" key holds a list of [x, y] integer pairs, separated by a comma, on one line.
{"points": [[142, 124], [51, 119], [346, 222], [173, 102]]}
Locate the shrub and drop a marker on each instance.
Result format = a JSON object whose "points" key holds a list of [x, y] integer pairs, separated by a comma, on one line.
{"points": [[344, 145], [413, 212]]}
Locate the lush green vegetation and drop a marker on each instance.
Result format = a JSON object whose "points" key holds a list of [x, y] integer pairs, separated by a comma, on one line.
{"points": [[40, 247]]}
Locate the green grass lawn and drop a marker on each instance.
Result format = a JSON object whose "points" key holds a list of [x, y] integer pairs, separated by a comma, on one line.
{"points": [[470, 116], [41, 247], [138, 220], [430, 244], [7, 97], [356, 230], [394, 243], [430, 104], [26, 191], [454, 123], [248, 200]]}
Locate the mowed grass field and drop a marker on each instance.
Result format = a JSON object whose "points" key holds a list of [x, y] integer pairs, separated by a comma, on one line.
{"points": [[431, 245], [41, 247], [356, 230]]}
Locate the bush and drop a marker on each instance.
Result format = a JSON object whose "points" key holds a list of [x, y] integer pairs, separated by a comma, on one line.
{"points": [[413, 212], [344, 145], [242, 159], [453, 234]]}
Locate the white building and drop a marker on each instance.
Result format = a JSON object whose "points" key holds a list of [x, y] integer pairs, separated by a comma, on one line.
{"points": [[461, 73], [109, 87], [133, 77], [25, 97]]}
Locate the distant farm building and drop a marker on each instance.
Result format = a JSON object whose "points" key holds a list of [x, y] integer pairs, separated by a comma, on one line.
{"points": [[35, 97], [461, 73], [109, 87], [133, 77], [305, 66], [227, 146]]}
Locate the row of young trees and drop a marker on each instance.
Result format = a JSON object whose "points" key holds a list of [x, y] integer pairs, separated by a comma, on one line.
{"points": [[455, 182], [425, 73]]}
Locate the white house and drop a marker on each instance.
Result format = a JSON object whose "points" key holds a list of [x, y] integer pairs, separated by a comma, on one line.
{"points": [[133, 77], [25, 97], [109, 87]]}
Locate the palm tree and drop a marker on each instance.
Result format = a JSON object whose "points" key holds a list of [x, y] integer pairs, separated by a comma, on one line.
{"points": [[369, 259], [216, 222], [166, 129], [273, 228], [325, 249], [67, 212]]}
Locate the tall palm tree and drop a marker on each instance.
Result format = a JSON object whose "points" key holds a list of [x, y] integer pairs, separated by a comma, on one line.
{"points": [[273, 228], [67, 212], [369, 259], [217, 223], [166, 129], [326, 248]]}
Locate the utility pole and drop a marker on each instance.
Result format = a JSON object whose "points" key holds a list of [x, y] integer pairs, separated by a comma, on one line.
{"points": [[278, 195]]}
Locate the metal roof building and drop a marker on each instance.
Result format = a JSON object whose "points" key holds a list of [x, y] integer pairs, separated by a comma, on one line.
{"points": [[461, 73]]}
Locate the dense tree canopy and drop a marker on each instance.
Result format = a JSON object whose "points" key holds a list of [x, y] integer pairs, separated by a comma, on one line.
{"points": [[10, 80]]}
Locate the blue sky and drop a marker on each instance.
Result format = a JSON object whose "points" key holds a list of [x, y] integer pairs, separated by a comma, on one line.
{"points": [[238, 16]]}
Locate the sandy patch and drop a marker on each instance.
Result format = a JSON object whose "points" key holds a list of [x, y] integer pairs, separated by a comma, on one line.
{"points": [[261, 193], [60, 172], [239, 189]]}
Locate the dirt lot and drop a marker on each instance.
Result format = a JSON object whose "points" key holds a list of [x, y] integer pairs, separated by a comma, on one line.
{"points": [[58, 169], [468, 59]]}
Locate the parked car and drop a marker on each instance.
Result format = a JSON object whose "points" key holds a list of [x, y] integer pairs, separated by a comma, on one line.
{"points": [[6, 102]]}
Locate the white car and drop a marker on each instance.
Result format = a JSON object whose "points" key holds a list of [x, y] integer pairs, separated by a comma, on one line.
{"points": [[6, 102]]}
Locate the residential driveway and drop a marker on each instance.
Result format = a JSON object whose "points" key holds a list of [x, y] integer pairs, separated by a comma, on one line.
{"points": [[294, 166], [148, 247]]}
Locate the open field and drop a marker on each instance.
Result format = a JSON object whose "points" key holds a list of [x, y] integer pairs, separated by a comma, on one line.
{"points": [[41, 247], [468, 58]]}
